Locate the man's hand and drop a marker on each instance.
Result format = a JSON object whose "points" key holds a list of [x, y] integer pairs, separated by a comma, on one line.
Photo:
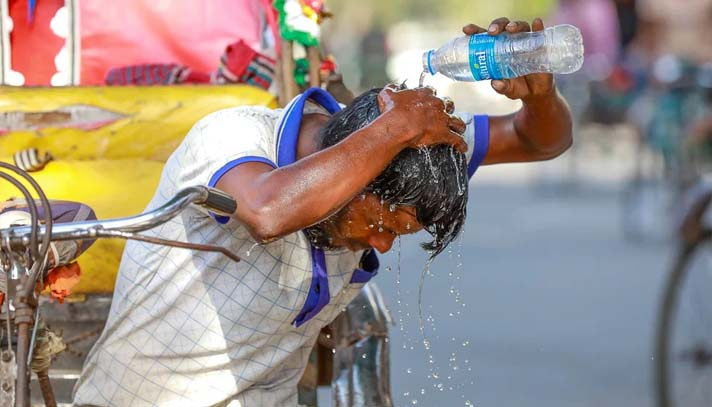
{"points": [[525, 87], [421, 117]]}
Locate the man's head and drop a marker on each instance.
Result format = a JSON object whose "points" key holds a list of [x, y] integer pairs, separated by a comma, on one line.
{"points": [[421, 188]]}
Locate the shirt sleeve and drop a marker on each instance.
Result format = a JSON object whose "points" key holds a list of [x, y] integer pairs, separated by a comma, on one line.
{"points": [[477, 138], [220, 142]]}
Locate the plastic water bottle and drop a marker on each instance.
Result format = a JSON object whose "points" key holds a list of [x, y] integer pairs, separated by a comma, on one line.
{"points": [[557, 49]]}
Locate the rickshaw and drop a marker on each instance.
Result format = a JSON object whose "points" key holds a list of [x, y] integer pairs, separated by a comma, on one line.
{"points": [[104, 147]]}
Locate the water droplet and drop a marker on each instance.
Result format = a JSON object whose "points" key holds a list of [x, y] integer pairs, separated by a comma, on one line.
{"points": [[247, 253], [468, 403], [421, 81], [436, 376], [409, 370], [363, 356], [333, 350], [466, 343], [371, 226], [380, 229], [422, 391], [414, 401], [328, 336]]}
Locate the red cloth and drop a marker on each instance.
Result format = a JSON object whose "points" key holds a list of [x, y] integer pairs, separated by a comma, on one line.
{"points": [[188, 32], [137, 32], [155, 74], [239, 64], [62, 279], [34, 46]]}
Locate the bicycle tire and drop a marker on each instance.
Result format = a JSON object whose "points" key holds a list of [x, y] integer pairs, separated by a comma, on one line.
{"points": [[665, 330]]}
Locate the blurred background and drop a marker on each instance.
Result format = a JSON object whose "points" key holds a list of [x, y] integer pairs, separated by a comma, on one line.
{"points": [[552, 295]]}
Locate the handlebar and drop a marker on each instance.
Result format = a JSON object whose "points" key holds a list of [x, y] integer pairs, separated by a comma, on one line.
{"points": [[213, 199]]}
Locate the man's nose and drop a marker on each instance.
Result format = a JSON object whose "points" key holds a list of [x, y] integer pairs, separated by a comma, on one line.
{"points": [[381, 241]]}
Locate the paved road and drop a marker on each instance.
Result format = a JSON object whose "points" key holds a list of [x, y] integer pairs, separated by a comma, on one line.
{"points": [[559, 309]]}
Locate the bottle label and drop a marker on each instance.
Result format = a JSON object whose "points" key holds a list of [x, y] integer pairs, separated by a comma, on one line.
{"points": [[482, 61]]}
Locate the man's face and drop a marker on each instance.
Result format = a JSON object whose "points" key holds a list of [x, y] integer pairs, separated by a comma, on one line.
{"points": [[367, 223]]}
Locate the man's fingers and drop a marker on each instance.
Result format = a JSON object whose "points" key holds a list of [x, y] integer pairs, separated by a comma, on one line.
{"points": [[497, 26], [449, 105], [471, 29], [458, 142], [537, 24], [456, 124], [501, 86], [517, 26], [385, 98], [428, 90], [392, 87]]}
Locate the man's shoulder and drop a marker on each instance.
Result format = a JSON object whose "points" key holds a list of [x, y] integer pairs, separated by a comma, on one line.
{"points": [[259, 115]]}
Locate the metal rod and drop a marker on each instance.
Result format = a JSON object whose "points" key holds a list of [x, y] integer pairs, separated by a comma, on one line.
{"points": [[36, 323], [182, 245], [34, 215], [22, 389], [18, 236], [45, 202], [46, 387]]}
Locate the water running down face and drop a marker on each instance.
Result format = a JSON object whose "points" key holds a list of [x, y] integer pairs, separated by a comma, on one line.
{"points": [[366, 222], [426, 188]]}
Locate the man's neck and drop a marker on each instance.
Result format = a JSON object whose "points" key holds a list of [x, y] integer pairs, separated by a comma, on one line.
{"points": [[308, 142]]}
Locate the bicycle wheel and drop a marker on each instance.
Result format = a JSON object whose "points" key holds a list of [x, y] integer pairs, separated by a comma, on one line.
{"points": [[683, 359]]}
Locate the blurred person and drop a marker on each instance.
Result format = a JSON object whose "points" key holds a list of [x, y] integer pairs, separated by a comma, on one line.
{"points": [[628, 20], [318, 188], [373, 58], [598, 22], [684, 26]]}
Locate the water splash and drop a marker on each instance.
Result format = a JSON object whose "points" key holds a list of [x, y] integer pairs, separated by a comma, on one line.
{"points": [[399, 311], [429, 161], [247, 253], [455, 159], [421, 321], [421, 81]]}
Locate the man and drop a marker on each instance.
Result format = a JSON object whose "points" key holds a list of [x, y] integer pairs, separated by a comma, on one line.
{"points": [[315, 194]]}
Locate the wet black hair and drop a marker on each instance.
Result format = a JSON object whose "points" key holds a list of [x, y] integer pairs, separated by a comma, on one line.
{"points": [[431, 179]]}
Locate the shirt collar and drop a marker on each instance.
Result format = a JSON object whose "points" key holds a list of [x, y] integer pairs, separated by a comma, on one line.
{"points": [[288, 133]]}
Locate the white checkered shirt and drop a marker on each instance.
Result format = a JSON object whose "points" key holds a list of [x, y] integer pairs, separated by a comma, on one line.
{"points": [[195, 328]]}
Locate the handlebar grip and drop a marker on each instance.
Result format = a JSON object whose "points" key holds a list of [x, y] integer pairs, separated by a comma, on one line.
{"points": [[220, 202]]}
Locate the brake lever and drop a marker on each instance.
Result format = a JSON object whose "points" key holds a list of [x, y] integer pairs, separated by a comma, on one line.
{"points": [[164, 242]]}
